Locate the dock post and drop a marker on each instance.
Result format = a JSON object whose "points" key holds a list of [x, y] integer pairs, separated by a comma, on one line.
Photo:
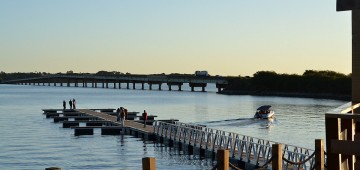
{"points": [[169, 87], [148, 163], [142, 86], [223, 159], [119, 85], [179, 87], [114, 84], [53, 168], [134, 85], [319, 154], [127, 85], [277, 157]]}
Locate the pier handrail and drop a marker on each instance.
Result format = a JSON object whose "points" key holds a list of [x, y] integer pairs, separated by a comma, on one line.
{"points": [[242, 147]]}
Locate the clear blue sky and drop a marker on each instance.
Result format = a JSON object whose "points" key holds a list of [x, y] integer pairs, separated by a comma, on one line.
{"points": [[224, 37]]}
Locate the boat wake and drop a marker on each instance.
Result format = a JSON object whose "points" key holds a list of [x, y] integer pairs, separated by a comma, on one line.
{"points": [[264, 123]]}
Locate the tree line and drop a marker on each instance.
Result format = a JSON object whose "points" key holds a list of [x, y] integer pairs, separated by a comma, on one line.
{"points": [[322, 84]]}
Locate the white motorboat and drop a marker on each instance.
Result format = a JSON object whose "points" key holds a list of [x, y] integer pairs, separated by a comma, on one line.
{"points": [[264, 112]]}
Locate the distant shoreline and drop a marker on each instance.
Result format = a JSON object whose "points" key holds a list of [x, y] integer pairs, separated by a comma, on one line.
{"points": [[289, 94]]}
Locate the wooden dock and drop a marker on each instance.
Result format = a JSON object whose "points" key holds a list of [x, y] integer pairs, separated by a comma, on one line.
{"points": [[244, 151]]}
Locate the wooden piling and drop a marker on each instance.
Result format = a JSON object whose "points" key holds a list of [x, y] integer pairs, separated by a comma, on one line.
{"points": [[277, 157], [319, 154], [223, 159], [53, 168], [148, 163]]}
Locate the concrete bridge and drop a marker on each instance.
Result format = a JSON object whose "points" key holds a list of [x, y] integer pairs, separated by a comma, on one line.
{"points": [[117, 81]]}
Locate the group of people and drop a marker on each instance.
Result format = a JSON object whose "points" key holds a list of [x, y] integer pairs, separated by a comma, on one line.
{"points": [[121, 116], [72, 104]]}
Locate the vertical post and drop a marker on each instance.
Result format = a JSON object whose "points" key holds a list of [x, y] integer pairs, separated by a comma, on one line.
{"points": [[348, 127], [160, 86], [114, 84], [277, 157], [127, 85], [148, 163], [142, 86], [319, 154], [169, 87], [119, 85], [179, 87], [134, 85], [150, 86], [355, 56], [223, 158], [53, 168], [332, 130]]}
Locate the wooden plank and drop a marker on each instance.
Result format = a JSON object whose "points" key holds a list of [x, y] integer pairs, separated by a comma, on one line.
{"points": [[345, 147]]}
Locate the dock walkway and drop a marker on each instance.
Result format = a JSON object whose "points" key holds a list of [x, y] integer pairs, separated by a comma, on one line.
{"points": [[128, 123]]}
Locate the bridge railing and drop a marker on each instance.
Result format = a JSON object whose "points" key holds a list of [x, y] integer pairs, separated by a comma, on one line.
{"points": [[241, 147]]}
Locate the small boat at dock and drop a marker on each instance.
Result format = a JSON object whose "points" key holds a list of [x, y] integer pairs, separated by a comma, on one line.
{"points": [[264, 112]]}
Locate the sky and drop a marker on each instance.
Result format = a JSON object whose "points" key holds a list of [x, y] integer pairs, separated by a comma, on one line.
{"points": [[223, 37]]}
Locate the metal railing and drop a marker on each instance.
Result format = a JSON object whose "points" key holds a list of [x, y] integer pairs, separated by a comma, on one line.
{"points": [[244, 148]]}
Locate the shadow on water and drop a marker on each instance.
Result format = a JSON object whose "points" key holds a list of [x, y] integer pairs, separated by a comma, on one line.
{"points": [[263, 123]]}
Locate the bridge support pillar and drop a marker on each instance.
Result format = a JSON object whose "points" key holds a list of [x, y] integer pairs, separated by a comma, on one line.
{"points": [[169, 87], [54, 84], [134, 85], [127, 85], [180, 87], [160, 86], [114, 85], [107, 84], [142, 86], [43, 84], [103, 84], [48, 84], [150, 86], [61, 84], [193, 85], [119, 85], [95, 84]]}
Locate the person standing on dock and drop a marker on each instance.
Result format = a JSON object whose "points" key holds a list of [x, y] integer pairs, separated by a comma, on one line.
{"points": [[125, 110], [144, 116], [122, 117], [118, 114], [64, 104], [74, 103], [70, 103]]}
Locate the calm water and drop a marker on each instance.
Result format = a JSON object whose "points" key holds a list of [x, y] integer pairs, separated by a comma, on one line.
{"points": [[30, 141]]}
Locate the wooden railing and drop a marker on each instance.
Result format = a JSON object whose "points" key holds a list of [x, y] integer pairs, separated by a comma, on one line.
{"points": [[343, 137]]}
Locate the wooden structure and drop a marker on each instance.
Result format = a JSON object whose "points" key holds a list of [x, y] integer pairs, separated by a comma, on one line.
{"points": [[343, 137]]}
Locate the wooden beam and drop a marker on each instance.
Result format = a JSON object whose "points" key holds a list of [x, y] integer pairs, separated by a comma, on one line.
{"points": [[345, 147]]}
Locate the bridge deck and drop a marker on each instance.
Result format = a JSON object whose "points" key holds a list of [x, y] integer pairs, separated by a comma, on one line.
{"points": [[128, 123]]}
